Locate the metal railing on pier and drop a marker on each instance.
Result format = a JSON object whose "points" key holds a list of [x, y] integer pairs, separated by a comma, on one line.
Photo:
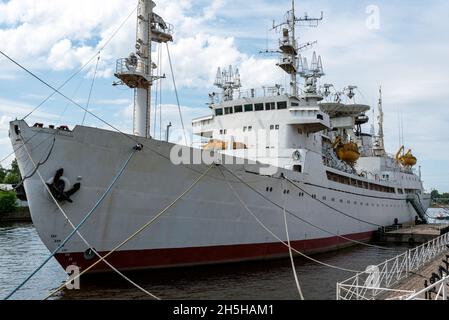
{"points": [[437, 291], [380, 279]]}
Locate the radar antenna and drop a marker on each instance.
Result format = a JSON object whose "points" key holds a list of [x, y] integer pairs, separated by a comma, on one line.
{"points": [[290, 60], [228, 80]]}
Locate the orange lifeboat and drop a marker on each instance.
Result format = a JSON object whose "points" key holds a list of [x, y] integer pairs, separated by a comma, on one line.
{"points": [[407, 159], [347, 152], [222, 145], [215, 145]]}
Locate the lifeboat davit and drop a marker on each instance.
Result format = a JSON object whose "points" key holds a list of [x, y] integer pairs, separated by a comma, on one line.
{"points": [[347, 152], [408, 159]]}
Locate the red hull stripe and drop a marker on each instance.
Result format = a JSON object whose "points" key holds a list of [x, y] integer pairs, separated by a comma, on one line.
{"points": [[164, 258]]}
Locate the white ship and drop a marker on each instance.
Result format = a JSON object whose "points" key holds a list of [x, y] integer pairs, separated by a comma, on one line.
{"points": [[302, 150]]}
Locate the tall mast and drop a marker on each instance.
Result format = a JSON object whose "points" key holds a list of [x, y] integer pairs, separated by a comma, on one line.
{"points": [[289, 48], [294, 81], [379, 139], [136, 71], [381, 121]]}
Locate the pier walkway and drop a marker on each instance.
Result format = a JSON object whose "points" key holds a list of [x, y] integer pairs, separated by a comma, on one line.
{"points": [[413, 234], [403, 277]]}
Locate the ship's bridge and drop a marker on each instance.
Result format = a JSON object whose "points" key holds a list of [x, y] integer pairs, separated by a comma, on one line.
{"points": [[260, 112]]}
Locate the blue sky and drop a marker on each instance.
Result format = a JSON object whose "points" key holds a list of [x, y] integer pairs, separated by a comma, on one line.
{"points": [[407, 55]]}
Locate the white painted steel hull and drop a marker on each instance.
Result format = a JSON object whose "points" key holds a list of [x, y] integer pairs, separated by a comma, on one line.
{"points": [[209, 225]]}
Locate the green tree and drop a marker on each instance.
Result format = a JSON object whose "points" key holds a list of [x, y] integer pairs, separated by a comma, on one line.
{"points": [[13, 175], [7, 202], [11, 178], [3, 174], [15, 169], [435, 194]]}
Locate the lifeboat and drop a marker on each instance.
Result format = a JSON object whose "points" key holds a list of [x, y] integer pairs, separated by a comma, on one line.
{"points": [[215, 145], [347, 152], [222, 145], [407, 159]]}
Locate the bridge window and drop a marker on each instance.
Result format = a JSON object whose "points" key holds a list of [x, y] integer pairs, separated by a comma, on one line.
{"points": [[249, 108], [295, 104], [270, 106], [229, 110], [282, 105], [218, 112], [320, 117], [259, 106], [238, 109]]}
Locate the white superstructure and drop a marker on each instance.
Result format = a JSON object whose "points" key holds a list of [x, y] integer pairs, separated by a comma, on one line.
{"points": [[301, 149]]}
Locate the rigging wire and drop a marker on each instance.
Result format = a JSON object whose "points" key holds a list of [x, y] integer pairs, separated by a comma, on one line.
{"points": [[82, 67], [139, 231], [73, 97], [157, 93], [160, 93], [91, 89], [244, 205], [303, 220], [66, 97], [176, 94]]}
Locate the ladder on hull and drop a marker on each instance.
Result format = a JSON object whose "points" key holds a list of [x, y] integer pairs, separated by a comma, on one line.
{"points": [[417, 205]]}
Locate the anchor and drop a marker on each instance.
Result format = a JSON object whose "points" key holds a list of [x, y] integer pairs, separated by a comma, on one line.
{"points": [[58, 186]]}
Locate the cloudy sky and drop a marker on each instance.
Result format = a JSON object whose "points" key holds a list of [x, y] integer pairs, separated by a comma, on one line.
{"points": [[406, 52]]}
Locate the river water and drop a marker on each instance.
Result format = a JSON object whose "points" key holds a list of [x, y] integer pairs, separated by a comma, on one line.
{"points": [[21, 251]]}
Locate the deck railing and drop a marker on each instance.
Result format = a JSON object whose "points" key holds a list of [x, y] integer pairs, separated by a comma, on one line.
{"points": [[380, 279]]}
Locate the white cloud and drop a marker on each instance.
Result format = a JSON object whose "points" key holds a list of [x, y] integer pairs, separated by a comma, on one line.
{"points": [[408, 56], [13, 109], [159, 121]]}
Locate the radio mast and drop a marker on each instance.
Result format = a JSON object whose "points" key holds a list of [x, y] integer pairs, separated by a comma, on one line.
{"points": [[136, 71]]}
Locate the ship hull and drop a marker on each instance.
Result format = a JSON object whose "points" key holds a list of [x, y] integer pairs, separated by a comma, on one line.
{"points": [[208, 225]]}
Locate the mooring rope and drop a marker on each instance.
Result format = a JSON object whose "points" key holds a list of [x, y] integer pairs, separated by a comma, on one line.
{"points": [[66, 240], [244, 205], [85, 241], [135, 234], [302, 219], [290, 251], [330, 207], [39, 164]]}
